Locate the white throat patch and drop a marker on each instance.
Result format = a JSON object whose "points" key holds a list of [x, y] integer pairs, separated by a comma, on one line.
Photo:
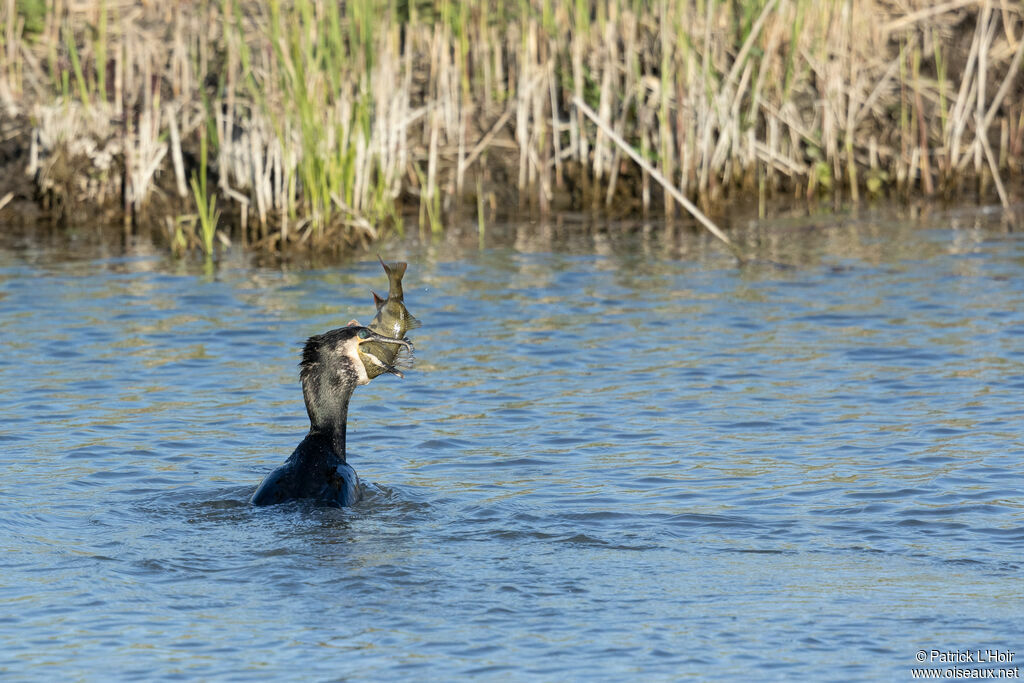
{"points": [[352, 352]]}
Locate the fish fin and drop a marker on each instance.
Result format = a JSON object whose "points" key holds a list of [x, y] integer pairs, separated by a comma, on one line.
{"points": [[396, 269], [412, 322], [405, 360], [352, 322], [377, 301], [395, 272]]}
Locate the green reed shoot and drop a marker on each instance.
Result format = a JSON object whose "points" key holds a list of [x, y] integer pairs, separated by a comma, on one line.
{"points": [[206, 203], [430, 204], [76, 65]]}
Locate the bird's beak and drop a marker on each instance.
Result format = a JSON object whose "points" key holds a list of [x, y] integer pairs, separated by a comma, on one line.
{"points": [[374, 337]]}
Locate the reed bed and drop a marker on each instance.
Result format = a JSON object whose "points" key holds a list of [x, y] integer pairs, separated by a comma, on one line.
{"points": [[320, 123]]}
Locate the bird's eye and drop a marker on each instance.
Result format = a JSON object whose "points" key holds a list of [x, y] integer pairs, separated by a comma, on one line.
{"points": [[364, 333]]}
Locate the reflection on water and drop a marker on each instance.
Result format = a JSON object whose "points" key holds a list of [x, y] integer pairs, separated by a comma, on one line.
{"points": [[618, 456]]}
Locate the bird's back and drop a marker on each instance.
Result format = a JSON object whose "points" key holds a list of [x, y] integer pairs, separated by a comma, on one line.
{"points": [[313, 472]]}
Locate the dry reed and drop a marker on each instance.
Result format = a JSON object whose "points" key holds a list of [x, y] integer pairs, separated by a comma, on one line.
{"points": [[324, 120]]}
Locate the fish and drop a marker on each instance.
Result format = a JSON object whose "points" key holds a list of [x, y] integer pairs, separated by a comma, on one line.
{"points": [[392, 320]]}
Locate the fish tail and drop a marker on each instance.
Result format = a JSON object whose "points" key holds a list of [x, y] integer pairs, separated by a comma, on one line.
{"points": [[395, 271]]}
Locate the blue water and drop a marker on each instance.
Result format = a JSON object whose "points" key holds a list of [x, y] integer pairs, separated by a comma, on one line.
{"points": [[618, 456]]}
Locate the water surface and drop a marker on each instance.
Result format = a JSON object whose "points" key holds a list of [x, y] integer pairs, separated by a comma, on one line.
{"points": [[618, 456]]}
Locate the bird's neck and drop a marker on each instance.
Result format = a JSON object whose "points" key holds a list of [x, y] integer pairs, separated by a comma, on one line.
{"points": [[333, 430], [328, 417]]}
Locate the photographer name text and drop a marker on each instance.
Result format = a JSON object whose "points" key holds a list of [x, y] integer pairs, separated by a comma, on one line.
{"points": [[966, 656]]}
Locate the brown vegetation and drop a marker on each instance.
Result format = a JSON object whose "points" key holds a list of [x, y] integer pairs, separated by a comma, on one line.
{"points": [[325, 121]]}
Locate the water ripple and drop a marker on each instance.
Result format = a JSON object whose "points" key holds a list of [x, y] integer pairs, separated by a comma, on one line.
{"points": [[606, 465]]}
